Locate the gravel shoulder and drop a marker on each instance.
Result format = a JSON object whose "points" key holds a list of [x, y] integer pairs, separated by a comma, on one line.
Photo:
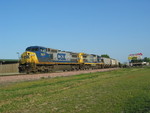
{"points": [[18, 78]]}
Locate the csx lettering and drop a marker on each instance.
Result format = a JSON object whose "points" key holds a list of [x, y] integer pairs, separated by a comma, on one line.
{"points": [[61, 56]]}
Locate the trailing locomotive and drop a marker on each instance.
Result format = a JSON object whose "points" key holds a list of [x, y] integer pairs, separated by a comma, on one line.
{"points": [[41, 59]]}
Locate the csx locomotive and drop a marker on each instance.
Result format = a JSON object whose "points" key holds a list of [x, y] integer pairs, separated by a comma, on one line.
{"points": [[41, 59]]}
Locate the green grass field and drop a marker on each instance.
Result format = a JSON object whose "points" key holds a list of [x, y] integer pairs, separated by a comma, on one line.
{"points": [[119, 91]]}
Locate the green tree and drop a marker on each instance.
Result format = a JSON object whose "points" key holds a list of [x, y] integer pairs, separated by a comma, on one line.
{"points": [[105, 56], [146, 59]]}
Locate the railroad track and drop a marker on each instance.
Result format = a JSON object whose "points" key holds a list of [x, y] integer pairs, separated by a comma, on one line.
{"points": [[29, 77]]}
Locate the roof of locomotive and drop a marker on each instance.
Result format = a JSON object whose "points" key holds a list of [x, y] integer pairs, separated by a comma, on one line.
{"points": [[59, 50], [47, 48], [35, 47]]}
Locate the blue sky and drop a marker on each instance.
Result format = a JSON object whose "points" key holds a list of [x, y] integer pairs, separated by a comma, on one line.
{"points": [[114, 27]]}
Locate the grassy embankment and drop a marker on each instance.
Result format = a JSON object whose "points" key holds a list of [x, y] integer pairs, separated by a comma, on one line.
{"points": [[119, 91]]}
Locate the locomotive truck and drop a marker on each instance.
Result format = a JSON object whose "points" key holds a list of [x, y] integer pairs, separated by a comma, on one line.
{"points": [[41, 59]]}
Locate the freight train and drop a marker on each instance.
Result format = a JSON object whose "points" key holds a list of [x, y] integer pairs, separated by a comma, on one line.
{"points": [[41, 59]]}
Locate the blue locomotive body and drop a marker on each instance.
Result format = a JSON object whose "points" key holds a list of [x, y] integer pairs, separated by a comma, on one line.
{"points": [[51, 55]]}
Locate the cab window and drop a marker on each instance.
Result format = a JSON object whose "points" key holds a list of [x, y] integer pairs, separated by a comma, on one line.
{"points": [[34, 49]]}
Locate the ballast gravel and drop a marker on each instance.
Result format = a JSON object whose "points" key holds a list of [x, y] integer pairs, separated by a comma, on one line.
{"points": [[30, 77]]}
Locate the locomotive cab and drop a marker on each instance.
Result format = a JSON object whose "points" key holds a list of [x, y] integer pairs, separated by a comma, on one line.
{"points": [[28, 58], [41, 53]]}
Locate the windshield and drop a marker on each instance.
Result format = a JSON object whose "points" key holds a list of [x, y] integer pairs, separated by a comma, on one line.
{"points": [[32, 49]]}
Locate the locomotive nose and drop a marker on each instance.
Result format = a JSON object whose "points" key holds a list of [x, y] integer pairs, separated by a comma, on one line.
{"points": [[28, 57], [25, 57]]}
